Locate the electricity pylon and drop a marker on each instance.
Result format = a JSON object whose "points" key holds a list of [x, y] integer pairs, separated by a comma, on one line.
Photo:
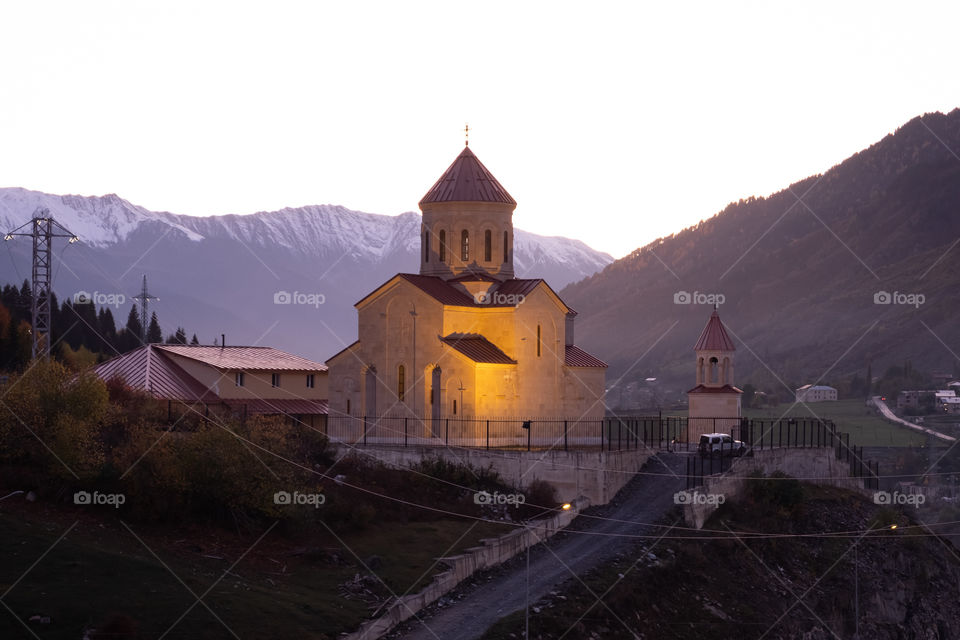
{"points": [[43, 229], [144, 299]]}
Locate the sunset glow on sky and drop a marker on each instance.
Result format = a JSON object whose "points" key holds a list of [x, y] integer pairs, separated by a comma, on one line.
{"points": [[614, 123]]}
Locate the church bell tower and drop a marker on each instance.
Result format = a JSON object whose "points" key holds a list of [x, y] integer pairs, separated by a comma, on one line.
{"points": [[467, 223]]}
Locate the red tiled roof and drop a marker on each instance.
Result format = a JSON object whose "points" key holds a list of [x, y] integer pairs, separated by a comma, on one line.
{"points": [[477, 348], [714, 336], [467, 180], [577, 357], [293, 406], [148, 369], [724, 389], [439, 289], [475, 276], [243, 358]]}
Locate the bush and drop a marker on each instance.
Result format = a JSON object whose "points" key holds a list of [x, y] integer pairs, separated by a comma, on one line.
{"points": [[52, 419]]}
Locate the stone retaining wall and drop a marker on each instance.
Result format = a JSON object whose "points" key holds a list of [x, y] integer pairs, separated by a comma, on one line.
{"points": [[594, 475], [817, 466], [492, 552]]}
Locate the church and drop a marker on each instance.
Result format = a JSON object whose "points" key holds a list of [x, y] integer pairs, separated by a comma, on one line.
{"points": [[464, 337]]}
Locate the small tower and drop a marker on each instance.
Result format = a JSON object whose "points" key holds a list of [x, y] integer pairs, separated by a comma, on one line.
{"points": [[715, 395], [467, 223]]}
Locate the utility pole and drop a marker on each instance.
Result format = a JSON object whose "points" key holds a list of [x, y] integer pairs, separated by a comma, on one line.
{"points": [[144, 299], [43, 229]]}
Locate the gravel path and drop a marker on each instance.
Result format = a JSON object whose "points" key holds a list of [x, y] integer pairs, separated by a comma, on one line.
{"points": [[466, 613]]}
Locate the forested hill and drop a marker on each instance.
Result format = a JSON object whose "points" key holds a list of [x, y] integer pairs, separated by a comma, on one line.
{"points": [[798, 272]]}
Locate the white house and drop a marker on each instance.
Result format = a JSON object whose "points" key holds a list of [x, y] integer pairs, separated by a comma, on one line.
{"points": [[816, 393]]}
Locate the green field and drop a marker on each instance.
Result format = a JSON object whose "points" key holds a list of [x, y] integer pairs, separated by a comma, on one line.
{"points": [[865, 426], [100, 568]]}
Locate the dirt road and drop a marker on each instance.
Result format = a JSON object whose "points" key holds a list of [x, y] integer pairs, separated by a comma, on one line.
{"points": [[474, 609]]}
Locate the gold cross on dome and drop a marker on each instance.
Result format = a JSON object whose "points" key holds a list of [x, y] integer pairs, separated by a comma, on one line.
{"points": [[466, 131]]}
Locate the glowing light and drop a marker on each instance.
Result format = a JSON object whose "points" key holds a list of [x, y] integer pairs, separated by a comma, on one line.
{"points": [[893, 526], [566, 506]]}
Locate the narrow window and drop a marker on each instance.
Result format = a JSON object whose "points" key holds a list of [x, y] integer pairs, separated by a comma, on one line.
{"points": [[488, 245], [275, 379], [443, 246], [426, 246], [401, 382], [348, 406], [310, 381], [538, 341], [454, 407], [432, 401], [465, 245], [506, 248], [238, 380]]}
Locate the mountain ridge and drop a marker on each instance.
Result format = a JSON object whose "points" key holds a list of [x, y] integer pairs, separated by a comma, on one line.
{"points": [[195, 264], [798, 270]]}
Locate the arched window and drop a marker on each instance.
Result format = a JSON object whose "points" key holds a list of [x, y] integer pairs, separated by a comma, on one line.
{"points": [[426, 246], [538, 341], [401, 382], [714, 378], [465, 245], [443, 246], [506, 247], [487, 245], [348, 406]]}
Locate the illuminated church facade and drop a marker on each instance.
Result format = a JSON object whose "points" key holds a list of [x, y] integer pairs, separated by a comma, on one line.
{"points": [[464, 337]]}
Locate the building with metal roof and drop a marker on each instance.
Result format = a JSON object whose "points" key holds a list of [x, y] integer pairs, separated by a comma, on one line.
{"points": [[246, 380], [464, 337]]}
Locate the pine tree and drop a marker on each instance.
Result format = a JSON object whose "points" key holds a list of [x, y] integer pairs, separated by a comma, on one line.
{"points": [[154, 333], [194, 340], [128, 339], [180, 336], [107, 329]]}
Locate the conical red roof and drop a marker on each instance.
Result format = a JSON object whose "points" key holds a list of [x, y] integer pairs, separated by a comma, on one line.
{"points": [[714, 336], [467, 180]]}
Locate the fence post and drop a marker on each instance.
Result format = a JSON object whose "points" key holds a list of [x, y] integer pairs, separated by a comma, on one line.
{"points": [[446, 429], [565, 435], [488, 435], [529, 434], [364, 430], [405, 431]]}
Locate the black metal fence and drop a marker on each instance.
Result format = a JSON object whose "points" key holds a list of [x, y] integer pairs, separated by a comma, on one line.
{"points": [[610, 433], [798, 433]]}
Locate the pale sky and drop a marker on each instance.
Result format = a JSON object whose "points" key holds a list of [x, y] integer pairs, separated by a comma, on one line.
{"points": [[614, 123]]}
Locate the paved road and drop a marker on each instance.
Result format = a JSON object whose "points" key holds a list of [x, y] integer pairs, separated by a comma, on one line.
{"points": [[645, 499], [889, 415]]}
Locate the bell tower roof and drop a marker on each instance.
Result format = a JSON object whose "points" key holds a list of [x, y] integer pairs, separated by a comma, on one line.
{"points": [[714, 336], [467, 180]]}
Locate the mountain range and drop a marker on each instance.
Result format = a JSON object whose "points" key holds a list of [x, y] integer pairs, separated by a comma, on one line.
{"points": [[859, 265], [218, 275]]}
